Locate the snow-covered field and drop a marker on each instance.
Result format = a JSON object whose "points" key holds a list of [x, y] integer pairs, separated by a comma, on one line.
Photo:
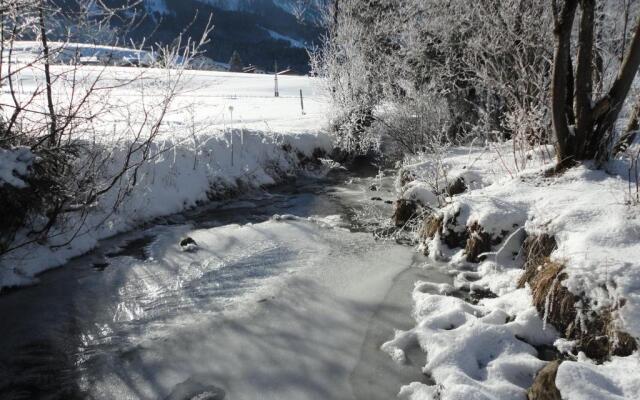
{"points": [[26, 52], [221, 131], [491, 349]]}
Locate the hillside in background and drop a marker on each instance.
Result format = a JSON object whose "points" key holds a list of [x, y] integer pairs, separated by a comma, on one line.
{"points": [[262, 31]]}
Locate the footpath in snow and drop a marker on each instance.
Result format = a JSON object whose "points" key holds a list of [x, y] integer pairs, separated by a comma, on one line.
{"points": [[545, 268], [222, 133]]}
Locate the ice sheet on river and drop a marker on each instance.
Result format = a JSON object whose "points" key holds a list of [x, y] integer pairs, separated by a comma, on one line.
{"points": [[277, 309]]}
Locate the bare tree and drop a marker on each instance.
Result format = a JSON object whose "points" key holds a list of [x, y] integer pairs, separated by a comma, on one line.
{"points": [[595, 118], [62, 115], [396, 64]]}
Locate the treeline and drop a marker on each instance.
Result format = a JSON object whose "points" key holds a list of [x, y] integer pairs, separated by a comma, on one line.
{"points": [[428, 72]]}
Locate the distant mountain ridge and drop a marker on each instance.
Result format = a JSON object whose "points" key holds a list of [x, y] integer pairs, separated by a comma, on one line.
{"points": [[262, 31]]}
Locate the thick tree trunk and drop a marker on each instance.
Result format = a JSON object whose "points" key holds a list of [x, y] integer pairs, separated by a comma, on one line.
{"points": [[559, 79], [593, 124], [598, 60], [584, 83]]}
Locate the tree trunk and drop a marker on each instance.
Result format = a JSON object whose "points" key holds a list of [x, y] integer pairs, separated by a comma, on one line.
{"points": [[598, 60], [584, 83], [571, 116], [559, 81], [594, 124]]}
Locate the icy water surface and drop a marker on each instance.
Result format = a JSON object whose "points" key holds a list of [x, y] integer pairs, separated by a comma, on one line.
{"points": [[286, 295]]}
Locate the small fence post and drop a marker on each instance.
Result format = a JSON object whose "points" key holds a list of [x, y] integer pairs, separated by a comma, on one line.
{"points": [[275, 77], [231, 111]]}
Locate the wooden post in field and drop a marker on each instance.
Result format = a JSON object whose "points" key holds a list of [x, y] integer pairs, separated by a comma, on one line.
{"points": [[231, 112], [275, 77], [301, 102]]}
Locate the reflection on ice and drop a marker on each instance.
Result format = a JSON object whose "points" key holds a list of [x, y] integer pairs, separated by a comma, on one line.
{"points": [[274, 302], [232, 266]]}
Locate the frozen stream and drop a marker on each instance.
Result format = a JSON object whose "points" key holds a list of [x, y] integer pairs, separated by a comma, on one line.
{"points": [[287, 296]]}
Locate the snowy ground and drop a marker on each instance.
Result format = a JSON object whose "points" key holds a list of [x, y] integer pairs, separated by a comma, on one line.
{"points": [[221, 131], [491, 350]]}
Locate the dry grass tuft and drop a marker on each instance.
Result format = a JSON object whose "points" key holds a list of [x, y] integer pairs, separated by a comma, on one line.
{"points": [[478, 242], [431, 225], [536, 250], [404, 211], [435, 223], [544, 384], [596, 332]]}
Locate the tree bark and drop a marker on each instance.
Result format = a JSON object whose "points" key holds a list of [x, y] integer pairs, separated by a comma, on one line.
{"points": [[584, 83], [559, 79], [571, 116], [594, 124]]}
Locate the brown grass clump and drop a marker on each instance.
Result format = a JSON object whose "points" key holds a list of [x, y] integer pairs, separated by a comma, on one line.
{"points": [[478, 242], [473, 239], [435, 223], [544, 384], [431, 225], [552, 299], [595, 331], [536, 250], [404, 210]]}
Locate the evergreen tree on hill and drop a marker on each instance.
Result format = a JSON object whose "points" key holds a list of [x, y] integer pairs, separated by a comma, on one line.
{"points": [[235, 63]]}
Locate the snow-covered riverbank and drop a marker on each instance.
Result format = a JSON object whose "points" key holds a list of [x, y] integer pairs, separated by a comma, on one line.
{"points": [[223, 133], [578, 236]]}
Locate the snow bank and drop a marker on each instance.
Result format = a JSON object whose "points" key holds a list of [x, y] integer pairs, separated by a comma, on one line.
{"points": [[598, 242], [616, 379], [14, 166], [222, 132], [427, 180], [473, 351], [178, 178], [584, 209]]}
